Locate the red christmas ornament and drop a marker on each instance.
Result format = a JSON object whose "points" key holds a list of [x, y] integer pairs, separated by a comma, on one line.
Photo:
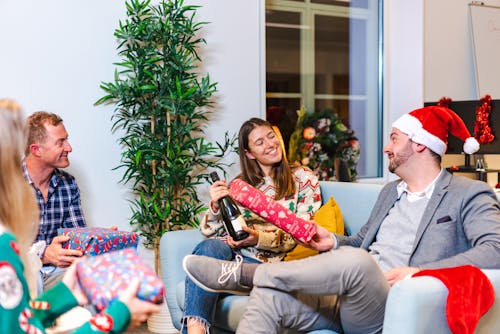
{"points": [[482, 127], [309, 133]]}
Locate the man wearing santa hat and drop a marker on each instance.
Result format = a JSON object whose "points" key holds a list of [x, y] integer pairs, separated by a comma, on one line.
{"points": [[428, 219]]}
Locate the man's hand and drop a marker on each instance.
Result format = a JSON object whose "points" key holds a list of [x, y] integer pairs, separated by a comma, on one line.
{"points": [[58, 256], [322, 240], [397, 274]]}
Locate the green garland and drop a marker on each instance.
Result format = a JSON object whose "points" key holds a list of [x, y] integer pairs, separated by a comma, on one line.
{"points": [[319, 140]]}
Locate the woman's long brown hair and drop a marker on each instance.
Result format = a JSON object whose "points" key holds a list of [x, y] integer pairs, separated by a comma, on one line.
{"points": [[250, 170]]}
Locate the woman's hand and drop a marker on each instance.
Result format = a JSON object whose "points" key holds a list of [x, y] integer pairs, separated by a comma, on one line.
{"points": [[71, 281], [218, 190], [140, 310], [251, 240]]}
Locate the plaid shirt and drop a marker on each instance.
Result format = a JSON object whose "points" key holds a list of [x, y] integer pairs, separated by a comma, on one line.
{"points": [[63, 207]]}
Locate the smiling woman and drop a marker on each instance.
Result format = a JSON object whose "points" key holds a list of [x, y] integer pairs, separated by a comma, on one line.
{"points": [[264, 166], [264, 148]]}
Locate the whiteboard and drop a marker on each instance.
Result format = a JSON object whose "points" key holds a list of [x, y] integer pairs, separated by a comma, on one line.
{"points": [[485, 24]]}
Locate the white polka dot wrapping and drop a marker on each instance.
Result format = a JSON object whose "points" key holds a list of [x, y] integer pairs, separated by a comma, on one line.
{"points": [[103, 277], [252, 198]]}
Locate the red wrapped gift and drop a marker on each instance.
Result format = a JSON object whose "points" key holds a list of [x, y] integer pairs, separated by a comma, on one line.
{"points": [[103, 277], [97, 240], [254, 199]]}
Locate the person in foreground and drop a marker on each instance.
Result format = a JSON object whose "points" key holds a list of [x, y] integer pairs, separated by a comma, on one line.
{"points": [[428, 219], [57, 193], [18, 226], [264, 166]]}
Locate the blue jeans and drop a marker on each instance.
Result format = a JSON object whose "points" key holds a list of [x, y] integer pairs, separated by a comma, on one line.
{"points": [[200, 304], [48, 276]]}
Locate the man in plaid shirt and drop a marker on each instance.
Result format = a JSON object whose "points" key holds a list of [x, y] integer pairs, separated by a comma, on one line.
{"points": [[57, 193]]}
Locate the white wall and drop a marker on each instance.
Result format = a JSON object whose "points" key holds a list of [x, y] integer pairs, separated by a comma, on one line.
{"points": [[403, 74], [449, 56], [403, 62], [54, 54]]}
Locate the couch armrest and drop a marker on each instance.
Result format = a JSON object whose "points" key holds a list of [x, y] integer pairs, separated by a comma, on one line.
{"points": [[418, 305], [174, 246]]}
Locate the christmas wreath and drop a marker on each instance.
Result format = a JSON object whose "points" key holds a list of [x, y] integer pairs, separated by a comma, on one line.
{"points": [[323, 143]]}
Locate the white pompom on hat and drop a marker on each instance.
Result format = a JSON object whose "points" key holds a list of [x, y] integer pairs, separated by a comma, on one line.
{"points": [[430, 126]]}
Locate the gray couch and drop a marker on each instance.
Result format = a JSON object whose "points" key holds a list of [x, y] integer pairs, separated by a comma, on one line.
{"points": [[414, 306]]}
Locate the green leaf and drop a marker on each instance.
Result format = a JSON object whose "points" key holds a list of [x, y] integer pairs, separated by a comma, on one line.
{"points": [[147, 87], [138, 157], [155, 76]]}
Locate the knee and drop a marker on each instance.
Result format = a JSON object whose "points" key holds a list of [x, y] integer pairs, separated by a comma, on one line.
{"points": [[261, 298], [262, 314], [362, 262], [274, 309], [214, 248]]}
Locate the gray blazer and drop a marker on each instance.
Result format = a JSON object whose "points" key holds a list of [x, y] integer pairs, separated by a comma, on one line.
{"points": [[461, 225]]}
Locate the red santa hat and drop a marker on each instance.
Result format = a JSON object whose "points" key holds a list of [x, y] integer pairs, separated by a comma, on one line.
{"points": [[470, 296], [430, 126]]}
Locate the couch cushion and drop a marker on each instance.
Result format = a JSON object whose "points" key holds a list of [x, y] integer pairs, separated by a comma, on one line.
{"points": [[354, 198], [329, 217]]}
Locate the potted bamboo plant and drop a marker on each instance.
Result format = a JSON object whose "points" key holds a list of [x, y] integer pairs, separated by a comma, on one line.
{"points": [[162, 107]]}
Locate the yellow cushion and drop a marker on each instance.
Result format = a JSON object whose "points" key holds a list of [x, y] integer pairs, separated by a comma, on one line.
{"points": [[328, 216]]}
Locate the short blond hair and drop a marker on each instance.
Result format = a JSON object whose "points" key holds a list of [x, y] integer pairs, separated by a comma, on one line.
{"points": [[37, 133]]}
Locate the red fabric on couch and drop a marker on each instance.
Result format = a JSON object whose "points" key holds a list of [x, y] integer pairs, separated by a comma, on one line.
{"points": [[470, 296]]}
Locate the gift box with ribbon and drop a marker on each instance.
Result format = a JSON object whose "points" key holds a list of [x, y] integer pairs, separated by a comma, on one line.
{"points": [[254, 199], [97, 240], [103, 277]]}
